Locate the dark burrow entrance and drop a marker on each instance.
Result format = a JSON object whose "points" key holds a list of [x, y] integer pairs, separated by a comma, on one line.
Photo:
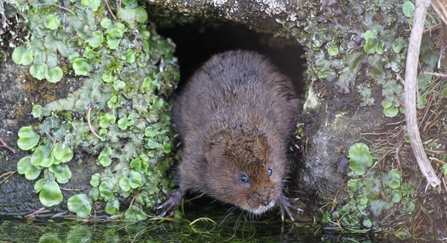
{"points": [[197, 42]]}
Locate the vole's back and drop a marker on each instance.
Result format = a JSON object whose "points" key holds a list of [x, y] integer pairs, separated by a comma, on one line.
{"points": [[236, 90]]}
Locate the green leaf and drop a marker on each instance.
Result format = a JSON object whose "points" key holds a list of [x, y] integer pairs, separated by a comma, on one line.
{"points": [[24, 167], [37, 111], [133, 15], [38, 71], [372, 185], [52, 22], [359, 158], [141, 15], [80, 204], [22, 56], [367, 223], [106, 23], [119, 85], [396, 196], [354, 184], [167, 145], [332, 50], [362, 202], [391, 111], [92, 4], [134, 179], [54, 75], [104, 160], [124, 123], [96, 39], [95, 180], [408, 9], [135, 164], [444, 169], [50, 194], [135, 213], [372, 41], [113, 43], [61, 172], [50, 237], [395, 178], [105, 191], [124, 184], [106, 120], [113, 207], [81, 66], [42, 157], [28, 138], [399, 43], [62, 152], [39, 184]]}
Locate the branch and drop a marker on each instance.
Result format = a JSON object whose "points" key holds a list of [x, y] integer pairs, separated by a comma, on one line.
{"points": [[410, 93]]}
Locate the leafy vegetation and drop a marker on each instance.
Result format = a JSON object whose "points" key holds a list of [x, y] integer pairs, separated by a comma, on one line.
{"points": [[119, 115]]}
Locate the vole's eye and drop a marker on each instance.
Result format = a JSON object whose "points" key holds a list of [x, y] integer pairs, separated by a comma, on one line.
{"points": [[269, 171], [244, 178]]}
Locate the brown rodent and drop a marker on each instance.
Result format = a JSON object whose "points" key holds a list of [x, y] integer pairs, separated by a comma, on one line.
{"points": [[236, 117]]}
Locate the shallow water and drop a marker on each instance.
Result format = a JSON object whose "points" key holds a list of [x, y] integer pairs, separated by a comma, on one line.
{"points": [[158, 230]]}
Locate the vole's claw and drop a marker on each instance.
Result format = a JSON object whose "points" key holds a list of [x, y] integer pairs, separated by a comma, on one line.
{"points": [[285, 206], [174, 199]]}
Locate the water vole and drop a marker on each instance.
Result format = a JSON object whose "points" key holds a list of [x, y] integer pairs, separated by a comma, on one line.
{"points": [[236, 117]]}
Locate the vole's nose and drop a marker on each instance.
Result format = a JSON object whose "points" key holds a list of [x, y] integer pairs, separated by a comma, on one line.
{"points": [[266, 201]]}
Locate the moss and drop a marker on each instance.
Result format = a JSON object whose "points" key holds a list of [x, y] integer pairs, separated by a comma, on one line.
{"points": [[333, 39], [128, 71]]}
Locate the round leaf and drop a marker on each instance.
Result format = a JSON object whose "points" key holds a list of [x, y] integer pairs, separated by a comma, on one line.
{"points": [[81, 66], [395, 178], [38, 71], [39, 184], [105, 191], [408, 9], [359, 158], [96, 39], [396, 196], [62, 152], [54, 75], [37, 111], [124, 184], [94, 181], [52, 22], [61, 172], [28, 138], [80, 204], [134, 179], [42, 157], [22, 56], [332, 50], [106, 23], [50, 194], [24, 167], [92, 4], [112, 207], [372, 41]]}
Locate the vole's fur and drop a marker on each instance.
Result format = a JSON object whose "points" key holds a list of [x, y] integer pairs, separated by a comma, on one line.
{"points": [[236, 117]]}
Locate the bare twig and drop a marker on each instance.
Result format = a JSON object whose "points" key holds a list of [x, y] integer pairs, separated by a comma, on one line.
{"points": [[37, 212], [6, 146], [6, 175], [110, 10], [90, 124], [410, 92], [133, 199], [441, 75]]}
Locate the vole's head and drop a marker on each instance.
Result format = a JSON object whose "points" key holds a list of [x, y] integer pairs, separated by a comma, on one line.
{"points": [[246, 171]]}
